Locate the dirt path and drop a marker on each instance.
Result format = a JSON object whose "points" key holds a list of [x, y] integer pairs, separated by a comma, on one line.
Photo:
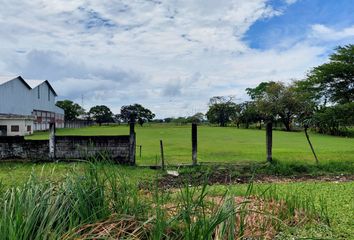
{"points": [[169, 181]]}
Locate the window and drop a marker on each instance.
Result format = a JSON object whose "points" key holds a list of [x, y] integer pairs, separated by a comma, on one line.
{"points": [[15, 128], [29, 128], [39, 93]]}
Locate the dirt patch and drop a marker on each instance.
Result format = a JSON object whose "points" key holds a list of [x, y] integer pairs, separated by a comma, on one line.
{"points": [[225, 177]]}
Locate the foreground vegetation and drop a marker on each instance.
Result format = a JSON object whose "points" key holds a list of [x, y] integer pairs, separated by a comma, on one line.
{"points": [[81, 200], [228, 144]]}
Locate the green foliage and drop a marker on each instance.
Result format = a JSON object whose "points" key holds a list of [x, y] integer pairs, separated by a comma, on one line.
{"points": [[257, 92], [249, 113], [137, 112], [334, 81], [334, 120], [101, 114], [276, 100], [221, 110], [72, 110]]}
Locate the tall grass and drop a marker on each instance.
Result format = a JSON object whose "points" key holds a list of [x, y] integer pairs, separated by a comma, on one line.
{"points": [[99, 203]]}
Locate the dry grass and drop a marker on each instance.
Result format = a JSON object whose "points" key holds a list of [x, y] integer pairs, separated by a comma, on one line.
{"points": [[123, 227], [254, 218]]}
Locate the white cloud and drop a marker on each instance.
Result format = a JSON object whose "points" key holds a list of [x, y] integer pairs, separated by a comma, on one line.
{"points": [[323, 32], [291, 1], [171, 56]]}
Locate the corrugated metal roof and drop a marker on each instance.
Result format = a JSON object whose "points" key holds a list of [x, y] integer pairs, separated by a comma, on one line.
{"points": [[34, 82], [4, 79], [30, 83]]}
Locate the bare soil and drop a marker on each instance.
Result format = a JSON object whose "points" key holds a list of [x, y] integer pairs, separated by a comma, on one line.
{"points": [[224, 177]]}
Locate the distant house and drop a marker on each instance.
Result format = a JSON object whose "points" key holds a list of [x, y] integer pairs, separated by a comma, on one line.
{"points": [[27, 106]]}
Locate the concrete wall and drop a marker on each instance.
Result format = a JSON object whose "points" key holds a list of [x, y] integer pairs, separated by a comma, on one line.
{"points": [[19, 148], [81, 147], [67, 147]]}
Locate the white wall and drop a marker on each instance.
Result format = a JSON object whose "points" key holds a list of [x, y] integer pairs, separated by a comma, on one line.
{"points": [[22, 123], [15, 98], [44, 99]]}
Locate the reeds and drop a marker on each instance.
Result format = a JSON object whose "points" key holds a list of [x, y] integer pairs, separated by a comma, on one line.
{"points": [[99, 203]]}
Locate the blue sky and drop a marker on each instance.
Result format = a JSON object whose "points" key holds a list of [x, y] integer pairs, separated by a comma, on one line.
{"points": [[169, 55]]}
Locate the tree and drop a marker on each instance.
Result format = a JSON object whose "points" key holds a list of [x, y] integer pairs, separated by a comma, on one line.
{"points": [[334, 120], [101, 114], [221, 109], [334, 81], [138, 112], [71, 110], [250, 113], [196, 118], [277, 100], [258, 91]]}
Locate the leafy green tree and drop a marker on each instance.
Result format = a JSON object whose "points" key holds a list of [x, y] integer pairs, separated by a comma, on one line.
{"points": [[250, 114], [196, 118], [136, 111], [278, 100], [101, 114], [71, 110], [168, 120], [257, 92], [221, 109], [334, 120], [334, 81]]}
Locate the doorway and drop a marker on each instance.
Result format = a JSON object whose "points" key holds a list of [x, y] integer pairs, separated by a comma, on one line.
{"points": [[3, 130]]}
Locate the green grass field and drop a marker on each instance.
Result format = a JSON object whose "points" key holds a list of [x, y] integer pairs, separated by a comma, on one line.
{"points": [[228, 144]]}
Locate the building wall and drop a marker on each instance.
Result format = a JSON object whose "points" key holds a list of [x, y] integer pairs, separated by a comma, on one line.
{"points": [[44, 99], [17, 127], [15, 98]]}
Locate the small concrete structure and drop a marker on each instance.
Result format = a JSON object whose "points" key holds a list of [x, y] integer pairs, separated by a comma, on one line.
{"points": [[16, 125]]}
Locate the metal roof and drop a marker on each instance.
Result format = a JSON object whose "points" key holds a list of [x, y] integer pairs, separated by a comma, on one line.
{"points": [[30, 83]]}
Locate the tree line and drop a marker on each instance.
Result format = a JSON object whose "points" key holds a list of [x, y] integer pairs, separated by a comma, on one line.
{"points": [[103, 114], [323, 101]]}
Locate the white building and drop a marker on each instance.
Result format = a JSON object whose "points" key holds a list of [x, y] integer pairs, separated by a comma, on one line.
{"points": [[27, 106]]}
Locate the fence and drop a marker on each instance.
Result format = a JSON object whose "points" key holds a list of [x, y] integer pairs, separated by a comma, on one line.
{"points": [[118, 148], [78, 123]]}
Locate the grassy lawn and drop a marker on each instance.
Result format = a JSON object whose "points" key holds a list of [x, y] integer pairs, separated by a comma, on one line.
{"points": [[12, 174], [229, 144]]}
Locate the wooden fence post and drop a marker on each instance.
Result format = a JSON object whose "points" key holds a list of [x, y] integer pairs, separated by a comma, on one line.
{"points": [[194, 143], [162, 156], [52, 140], [132, 142], [269, 141]]}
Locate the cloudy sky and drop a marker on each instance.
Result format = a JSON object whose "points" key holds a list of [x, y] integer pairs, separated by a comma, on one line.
{"points": [[169, 55]]}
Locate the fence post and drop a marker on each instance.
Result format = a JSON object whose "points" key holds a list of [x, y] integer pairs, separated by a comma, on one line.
{"points": [[269, 140], [162, 156], [194, 143], [132, 141], [52, 140]]}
